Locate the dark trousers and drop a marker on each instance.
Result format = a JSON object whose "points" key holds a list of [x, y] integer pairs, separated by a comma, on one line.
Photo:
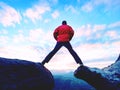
{"points": [[58, 46]]}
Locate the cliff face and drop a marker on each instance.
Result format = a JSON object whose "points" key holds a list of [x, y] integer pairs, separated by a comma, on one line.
{"points": [[24, 75], [102, 79]]}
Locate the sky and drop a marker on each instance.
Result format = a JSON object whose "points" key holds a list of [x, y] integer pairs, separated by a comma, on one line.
{"points": [[27, 26]]}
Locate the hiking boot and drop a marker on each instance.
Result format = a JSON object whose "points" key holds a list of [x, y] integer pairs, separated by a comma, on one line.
{"points": [[42, 62]]}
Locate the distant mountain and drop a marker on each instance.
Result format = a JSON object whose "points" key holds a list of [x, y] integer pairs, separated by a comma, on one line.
{"points": [[107, 78], [67, 81]]}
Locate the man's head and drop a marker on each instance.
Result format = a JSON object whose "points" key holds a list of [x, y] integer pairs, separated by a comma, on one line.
{"points": [[64, 22]]}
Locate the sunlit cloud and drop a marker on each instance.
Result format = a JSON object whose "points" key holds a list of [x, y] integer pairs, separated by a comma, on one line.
{"points": [[55, 14], [39, 36], [70, 8], [87, 7], [99, 27], [93, 4], [4, 32], [116, 24], [98, 31], [112, 34], [47, 20], [20, 38], [35, 35], [20, 52], [4, 39], [36, 12], [84, 30], [6, 15], [98, 50]]}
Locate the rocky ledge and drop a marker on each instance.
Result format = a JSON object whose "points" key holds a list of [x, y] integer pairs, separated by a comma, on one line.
{"points": [[24, 75], [107, 78]]}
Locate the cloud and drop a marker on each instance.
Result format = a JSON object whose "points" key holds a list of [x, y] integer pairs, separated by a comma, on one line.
{"points": [[20, 52], [19, 38], [90, 30], [8, 15], [98, 54], [52, 1], [47, 20], [55, 14], [92, 4], [35, 35], [112, 34], [40, 37], [88, 7], [36, 12], [4, 39], [96, 28], [70, 8], [116, 24], [4, 32], [84, 30], [98, 33]]}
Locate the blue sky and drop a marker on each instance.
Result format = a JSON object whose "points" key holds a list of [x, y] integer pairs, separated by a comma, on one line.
{"points": [[26, 31]]}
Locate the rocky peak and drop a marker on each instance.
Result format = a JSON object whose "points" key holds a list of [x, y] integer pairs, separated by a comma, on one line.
{"points": [[107, 78], [118, 58]]}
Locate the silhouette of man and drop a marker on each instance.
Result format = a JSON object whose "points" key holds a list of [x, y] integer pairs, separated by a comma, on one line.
{"points": [[63, 34]]}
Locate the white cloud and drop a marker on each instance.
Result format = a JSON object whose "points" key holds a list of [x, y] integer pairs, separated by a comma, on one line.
{"points": [[89, 32], [19, 38], [100, 31], [88, 7], [47, 20], [36, 12], [116, 24], [85, 30], [70, 8], [53, 1], [112, 34], [4, 32], [8, 15], [21, 52], [36, 35], [99, 27], [55, 14], [92, 4], [39, 36], [4, 40], [97, 50]]}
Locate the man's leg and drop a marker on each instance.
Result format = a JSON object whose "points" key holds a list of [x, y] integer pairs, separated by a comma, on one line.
{"points": [[52, 53], [73, 53]]}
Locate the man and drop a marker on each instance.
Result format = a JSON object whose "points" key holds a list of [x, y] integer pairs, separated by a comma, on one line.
{"points": [[63, 34]]}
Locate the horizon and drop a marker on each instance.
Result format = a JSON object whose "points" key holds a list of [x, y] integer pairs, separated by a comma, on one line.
{"points": [[26, 31]]}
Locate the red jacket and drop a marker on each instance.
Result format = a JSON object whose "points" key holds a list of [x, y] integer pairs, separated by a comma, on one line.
{"points": [[63, 33]]}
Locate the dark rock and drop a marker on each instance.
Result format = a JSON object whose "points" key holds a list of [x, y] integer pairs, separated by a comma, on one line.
{"points": [[24, 75], [102, 79]]}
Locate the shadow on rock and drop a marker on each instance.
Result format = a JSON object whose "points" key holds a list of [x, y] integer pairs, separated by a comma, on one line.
{"points": [[101, 79], [24, 75]]}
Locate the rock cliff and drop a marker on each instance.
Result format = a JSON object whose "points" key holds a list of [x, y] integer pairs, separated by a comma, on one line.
{"points": [[107, 78], [24, 75]]}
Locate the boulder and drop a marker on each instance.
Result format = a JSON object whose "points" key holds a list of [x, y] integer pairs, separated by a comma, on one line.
{"points": [[18, 74], [107, 78]]}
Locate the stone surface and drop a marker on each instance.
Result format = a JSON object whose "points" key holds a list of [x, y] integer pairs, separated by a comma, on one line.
{"points": [[107, 78], [24, 75]]}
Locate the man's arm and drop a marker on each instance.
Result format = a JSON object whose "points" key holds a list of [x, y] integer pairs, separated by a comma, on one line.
{"points": [[71, 33], [55, 34]]}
